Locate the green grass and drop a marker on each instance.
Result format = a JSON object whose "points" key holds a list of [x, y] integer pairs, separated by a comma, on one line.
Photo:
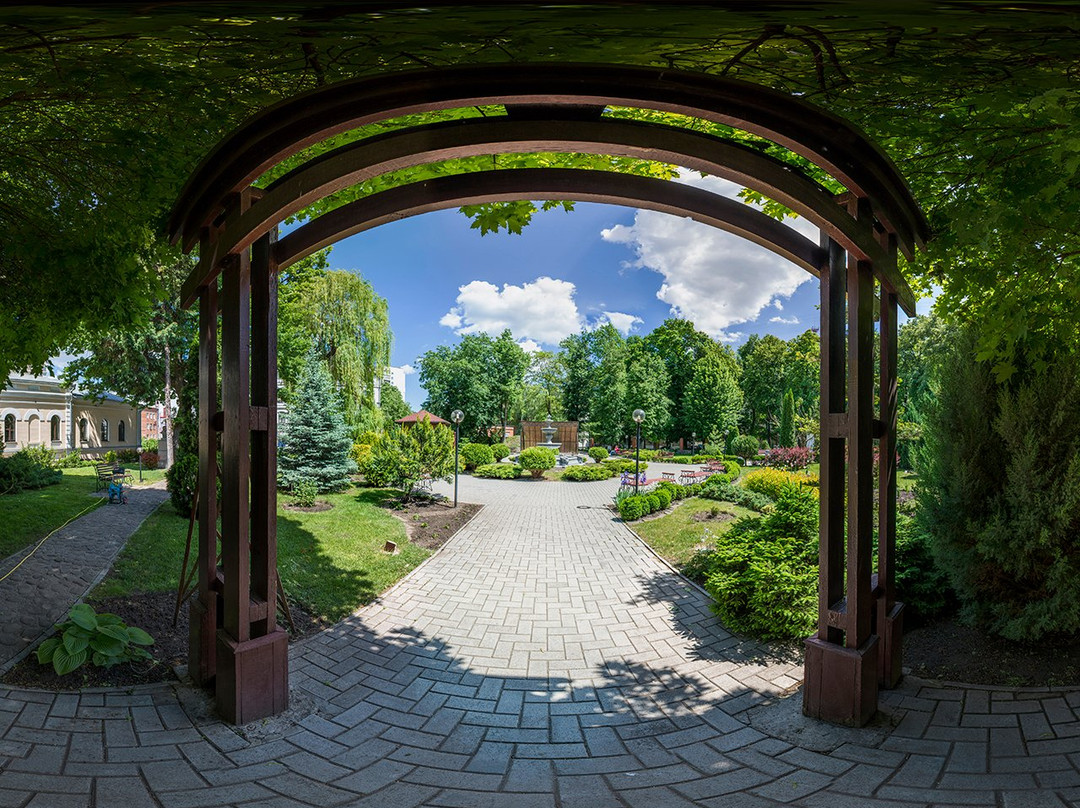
{"points": [[331, 562], [676, 537], [148, 475], [31, 515], [905, 480]]}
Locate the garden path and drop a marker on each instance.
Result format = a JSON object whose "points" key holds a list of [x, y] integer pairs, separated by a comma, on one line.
{"points": [[543, 658], [43, 586]]}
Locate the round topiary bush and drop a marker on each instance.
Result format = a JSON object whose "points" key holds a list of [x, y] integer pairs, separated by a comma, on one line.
{"points": [[500, 450], [664, 496], [632, 508], [537, 460], [653, 502], [476, 454], [598, 453]]}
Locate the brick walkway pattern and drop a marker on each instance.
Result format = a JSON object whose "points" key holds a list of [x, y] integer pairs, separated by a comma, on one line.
{"points": [[46, 585], [543, 658]]}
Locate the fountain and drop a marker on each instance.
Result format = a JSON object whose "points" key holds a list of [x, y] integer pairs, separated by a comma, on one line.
{"points": [[548, 431]]}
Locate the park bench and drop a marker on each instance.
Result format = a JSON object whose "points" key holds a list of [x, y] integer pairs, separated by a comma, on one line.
{"points": [[106, 473]]}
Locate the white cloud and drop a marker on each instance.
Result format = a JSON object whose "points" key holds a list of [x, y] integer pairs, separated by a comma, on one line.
{"points": [[785, 320], [529, 346], [543, 311], [408, 369], [778, 305], [624, 323], [711, 277]]}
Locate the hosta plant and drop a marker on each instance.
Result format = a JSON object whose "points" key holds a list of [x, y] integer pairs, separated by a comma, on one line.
{"points": [[103, 639]]}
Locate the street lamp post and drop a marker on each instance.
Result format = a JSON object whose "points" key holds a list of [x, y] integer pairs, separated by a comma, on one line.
{"points": [[639, 416], [456, 416]]}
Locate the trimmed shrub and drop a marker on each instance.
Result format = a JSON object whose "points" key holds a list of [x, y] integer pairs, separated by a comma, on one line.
{"points": [[500, 450], [361, 455], [631, 508], [620, 464], [719, 489], [499, 471], [598, 453], [664, 496], [536, 460], [762, 572], [29, 468], [798, 457], [745, 446], [304, 491], [770, 482], [589, 473], [150, 444], [653, 502], [476, 454]]}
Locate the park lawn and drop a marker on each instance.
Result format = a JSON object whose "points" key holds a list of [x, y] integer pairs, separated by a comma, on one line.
{"points": [[676, 536], [905, 480], [330, 562], [148, 475], [31, 515]]}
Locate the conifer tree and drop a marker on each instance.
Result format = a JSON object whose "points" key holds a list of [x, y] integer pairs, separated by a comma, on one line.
{"points": [[787, 420], [315, 438]]}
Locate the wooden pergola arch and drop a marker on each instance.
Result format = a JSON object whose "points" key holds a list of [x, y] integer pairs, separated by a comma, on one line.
{"points": [[235, 642]]}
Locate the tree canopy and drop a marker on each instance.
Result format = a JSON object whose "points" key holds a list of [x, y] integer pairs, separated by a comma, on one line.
{"points": [[106, 112]]}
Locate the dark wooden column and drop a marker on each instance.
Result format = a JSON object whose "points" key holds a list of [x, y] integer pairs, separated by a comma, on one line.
{"points": [[890, 613], [252, 665], [841, 659], [203, 612]]}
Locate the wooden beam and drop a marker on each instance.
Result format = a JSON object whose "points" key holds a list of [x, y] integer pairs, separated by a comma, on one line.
{"points": [[514, 184]]}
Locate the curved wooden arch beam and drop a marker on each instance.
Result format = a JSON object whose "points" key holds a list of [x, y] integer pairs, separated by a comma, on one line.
{"points": [[533, 183], [292, 125], [365, 159]]}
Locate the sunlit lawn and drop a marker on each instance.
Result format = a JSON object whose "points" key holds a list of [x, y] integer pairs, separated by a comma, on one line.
{"points": [[331, 562], [905, 480], [28, 516], [677, 536]]}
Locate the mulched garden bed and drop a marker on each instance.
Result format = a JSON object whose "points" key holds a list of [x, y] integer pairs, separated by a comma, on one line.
{"points": [[152, 612], [429, 524], [950, 651]]}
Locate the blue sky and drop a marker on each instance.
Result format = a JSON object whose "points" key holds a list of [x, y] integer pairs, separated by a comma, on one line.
{"points": [[596, 264]]}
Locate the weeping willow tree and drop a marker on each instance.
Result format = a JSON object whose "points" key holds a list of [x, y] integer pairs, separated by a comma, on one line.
{"points": [[350, 329]]}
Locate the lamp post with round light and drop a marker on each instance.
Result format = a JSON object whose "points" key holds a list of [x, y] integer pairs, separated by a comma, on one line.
{"points": [[639, 416], [457, 416]]}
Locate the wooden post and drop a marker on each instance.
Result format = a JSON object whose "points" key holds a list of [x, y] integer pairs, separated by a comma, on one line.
{"points": [[203, 612], [841, 659], [890, 613], [252, 663]]}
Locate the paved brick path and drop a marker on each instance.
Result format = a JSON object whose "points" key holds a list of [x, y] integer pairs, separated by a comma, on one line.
{"points": [[543, 658], [41, 591]]}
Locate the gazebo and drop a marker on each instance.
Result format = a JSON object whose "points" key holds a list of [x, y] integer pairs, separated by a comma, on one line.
{"points": [[421, 415]]}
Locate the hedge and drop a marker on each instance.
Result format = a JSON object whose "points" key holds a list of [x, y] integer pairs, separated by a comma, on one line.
{"points": [[498, 471], [588, 473]]}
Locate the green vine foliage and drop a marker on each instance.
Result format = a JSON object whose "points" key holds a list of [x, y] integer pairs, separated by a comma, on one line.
{"points": [[87, 636]]}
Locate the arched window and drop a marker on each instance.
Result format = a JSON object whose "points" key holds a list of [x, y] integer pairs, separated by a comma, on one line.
{"points": [[82, 430], [121, 431], [104, 431], [54, 429], [9, 429]]}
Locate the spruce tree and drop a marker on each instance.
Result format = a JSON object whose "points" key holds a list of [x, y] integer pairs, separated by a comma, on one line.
{"points": [[315, 438], [787, 420]]}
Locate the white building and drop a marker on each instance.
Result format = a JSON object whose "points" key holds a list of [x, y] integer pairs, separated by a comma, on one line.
{"points": [[393, 376], [38, 411]]}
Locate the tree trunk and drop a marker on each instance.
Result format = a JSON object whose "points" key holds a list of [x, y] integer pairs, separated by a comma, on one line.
{"points": [[170, 434]]}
